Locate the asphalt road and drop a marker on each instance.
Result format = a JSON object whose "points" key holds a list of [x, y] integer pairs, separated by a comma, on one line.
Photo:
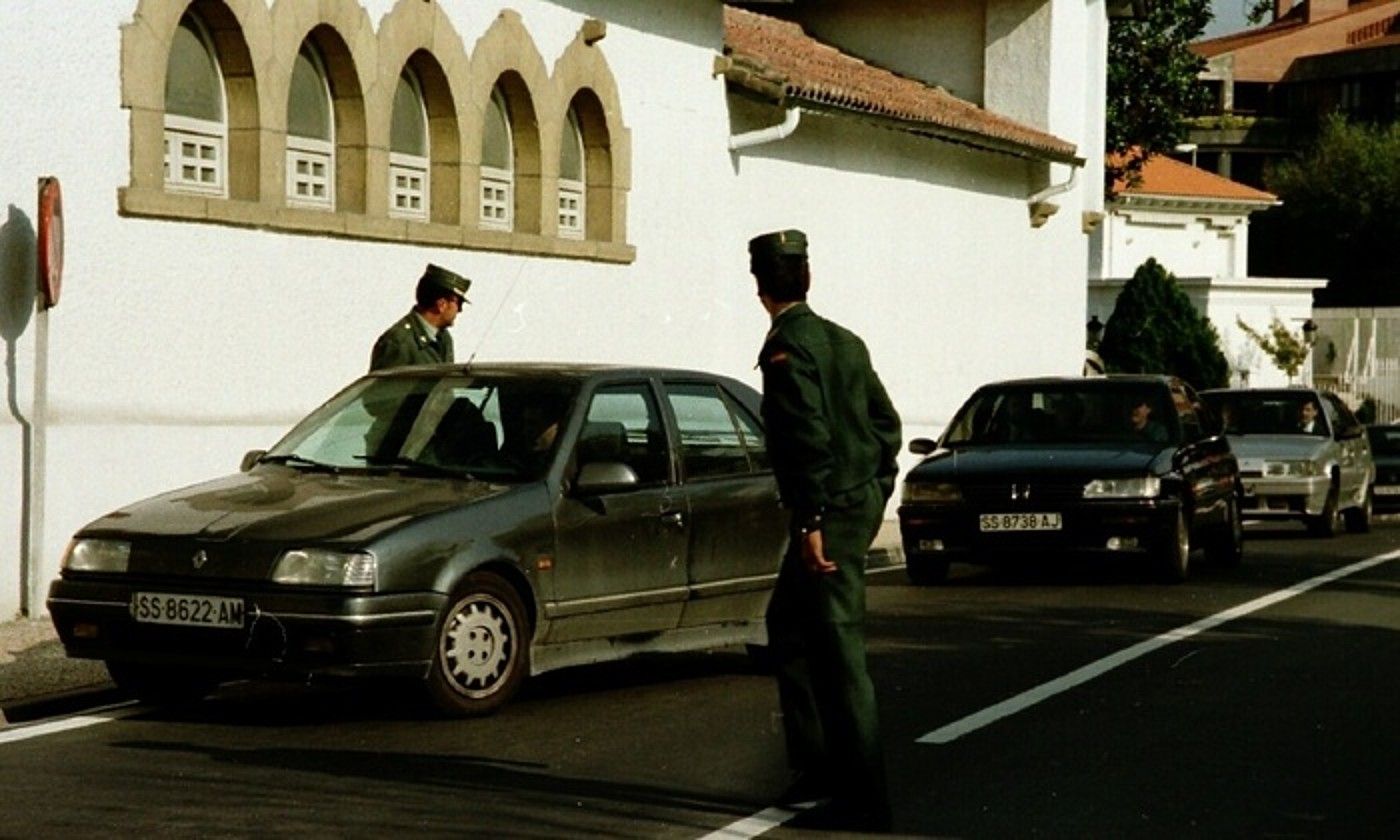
{"points": [[1081, 701]]}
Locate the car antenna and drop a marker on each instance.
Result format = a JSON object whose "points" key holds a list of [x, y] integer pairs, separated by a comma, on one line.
{"points": [[492, 321]]}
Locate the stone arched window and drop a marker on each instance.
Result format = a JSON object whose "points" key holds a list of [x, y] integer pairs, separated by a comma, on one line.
{"points": [[311, 163], [572, 179], [497, 206], [196, 113], [603, 221], [408, 150]]}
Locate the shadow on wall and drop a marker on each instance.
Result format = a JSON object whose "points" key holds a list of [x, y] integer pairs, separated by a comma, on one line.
{"points": [[18, 290], [17, 293]]}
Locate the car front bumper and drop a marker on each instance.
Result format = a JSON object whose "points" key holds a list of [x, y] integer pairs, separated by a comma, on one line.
{"points": [[282, 633], [1284, 498], [1111, 526]]}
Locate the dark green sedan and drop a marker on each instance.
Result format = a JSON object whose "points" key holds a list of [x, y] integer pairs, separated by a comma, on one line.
{"points": [[463, 526]]}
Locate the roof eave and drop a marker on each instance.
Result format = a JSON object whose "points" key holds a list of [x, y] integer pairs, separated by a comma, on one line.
{"points": [[774, 90]]}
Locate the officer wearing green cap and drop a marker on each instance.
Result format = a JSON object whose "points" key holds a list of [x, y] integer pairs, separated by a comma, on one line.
{"points": [[833, 436], [421, 336]]}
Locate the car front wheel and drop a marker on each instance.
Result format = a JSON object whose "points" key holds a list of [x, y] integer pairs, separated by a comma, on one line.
{"points": [[483, 648], [1227, 546], [1325, 523], [1359, 518], [1173, 552]]}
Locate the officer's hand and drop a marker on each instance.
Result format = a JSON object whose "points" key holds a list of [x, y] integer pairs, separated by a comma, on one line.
{"points": [[814, 555]]}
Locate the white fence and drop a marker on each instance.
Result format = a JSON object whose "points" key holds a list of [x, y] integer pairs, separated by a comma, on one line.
{"points": [[1357, 354]]}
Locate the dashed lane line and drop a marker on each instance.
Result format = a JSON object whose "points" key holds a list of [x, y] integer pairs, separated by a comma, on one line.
{"points": [[770, 818], [1079, 676]]}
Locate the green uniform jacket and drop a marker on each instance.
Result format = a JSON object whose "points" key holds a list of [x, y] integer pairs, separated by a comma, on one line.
{"points": [[831, 427], [407, 343]]}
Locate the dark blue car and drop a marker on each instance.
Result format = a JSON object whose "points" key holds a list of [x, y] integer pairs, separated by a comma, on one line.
{"points": [[1128, 466]]}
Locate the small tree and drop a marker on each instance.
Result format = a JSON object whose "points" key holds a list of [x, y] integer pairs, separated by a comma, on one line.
{"points": [[1287, 350], [1155, 329], [1153, 84]]}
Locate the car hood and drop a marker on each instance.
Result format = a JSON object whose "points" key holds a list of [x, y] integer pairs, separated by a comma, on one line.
{"points": [[280, 504], [1068, 460], [1291, 447]]}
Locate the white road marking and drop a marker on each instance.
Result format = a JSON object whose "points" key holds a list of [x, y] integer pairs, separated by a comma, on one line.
{"points": [[49, 727], [1046, 690], [760, 823]]}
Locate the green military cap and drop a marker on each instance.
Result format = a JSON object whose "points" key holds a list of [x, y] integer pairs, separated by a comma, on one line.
{"points": [[437, 277], [782, 242]]}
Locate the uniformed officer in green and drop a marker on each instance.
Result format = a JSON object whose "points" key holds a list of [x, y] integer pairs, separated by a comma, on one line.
{"points": [[421, 336], [832, 436]]}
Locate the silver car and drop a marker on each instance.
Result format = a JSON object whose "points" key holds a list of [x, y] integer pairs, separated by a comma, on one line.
{"points": [[1303, 455]]}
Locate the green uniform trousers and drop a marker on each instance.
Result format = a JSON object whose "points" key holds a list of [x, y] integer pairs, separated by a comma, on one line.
{"points": [[816, 636]]}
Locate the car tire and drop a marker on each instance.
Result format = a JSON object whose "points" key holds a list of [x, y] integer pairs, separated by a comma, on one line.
{"points": [[1173, 552], [924, 570], [1325, 523], [1227, 548], [481, 652], [163, 684], [1358, 519]]}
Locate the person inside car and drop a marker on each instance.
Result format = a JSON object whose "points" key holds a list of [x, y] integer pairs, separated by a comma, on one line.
{"points": [[1307, 418], [1141, 422]]}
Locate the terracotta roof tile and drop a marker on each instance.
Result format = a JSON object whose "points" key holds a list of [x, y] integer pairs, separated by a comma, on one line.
{"points": [[1293, 21], [1165, 176], [777, 59]]}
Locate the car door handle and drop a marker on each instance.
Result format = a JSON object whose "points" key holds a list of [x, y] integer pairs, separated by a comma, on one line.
{"points": [[675, 517]]}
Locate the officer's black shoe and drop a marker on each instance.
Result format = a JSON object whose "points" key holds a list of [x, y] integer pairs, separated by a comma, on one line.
{"points": [[836, 815], [806, 788]]}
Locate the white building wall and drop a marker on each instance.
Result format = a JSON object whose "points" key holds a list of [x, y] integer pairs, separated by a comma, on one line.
{"points": [[178, 346]]}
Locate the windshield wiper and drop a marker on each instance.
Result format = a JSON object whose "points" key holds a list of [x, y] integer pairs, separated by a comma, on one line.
{"points": [[294, 460], [414, 464]]}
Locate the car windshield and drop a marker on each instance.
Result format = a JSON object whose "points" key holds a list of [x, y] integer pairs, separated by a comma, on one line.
{"points": [[498, 428], [1092, 411], [1268, 412], [1385, 440]]}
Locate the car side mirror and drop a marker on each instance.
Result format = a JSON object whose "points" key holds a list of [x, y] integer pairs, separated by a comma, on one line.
{"points": [[605, 477], [922, 446], [250, 459]]}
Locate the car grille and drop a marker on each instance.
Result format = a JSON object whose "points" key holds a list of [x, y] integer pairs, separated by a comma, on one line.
{"points": [[1031, 492]]}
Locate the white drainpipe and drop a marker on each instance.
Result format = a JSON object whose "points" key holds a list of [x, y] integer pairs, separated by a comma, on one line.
{"points": [[1040, 207], [767, 135]]}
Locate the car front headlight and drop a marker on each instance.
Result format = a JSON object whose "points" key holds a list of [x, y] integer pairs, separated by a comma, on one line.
{"points": [[322, 567], [1290, 469], [930, 492], [1140, 487], [97, 556]]}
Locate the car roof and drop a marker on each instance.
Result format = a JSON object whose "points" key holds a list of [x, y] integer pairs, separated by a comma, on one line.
{"points": [[1294, 390], [553, 370], [1089, 381]]}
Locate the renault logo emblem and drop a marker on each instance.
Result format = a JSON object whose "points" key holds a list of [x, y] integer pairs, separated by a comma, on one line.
{"points": [[199, 559], [1020, 492]]}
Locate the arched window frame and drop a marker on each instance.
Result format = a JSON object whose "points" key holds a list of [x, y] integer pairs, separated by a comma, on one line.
{"points": [[572, 192], [311, 163], [408, 174], [196, 150], [497, 205]]}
